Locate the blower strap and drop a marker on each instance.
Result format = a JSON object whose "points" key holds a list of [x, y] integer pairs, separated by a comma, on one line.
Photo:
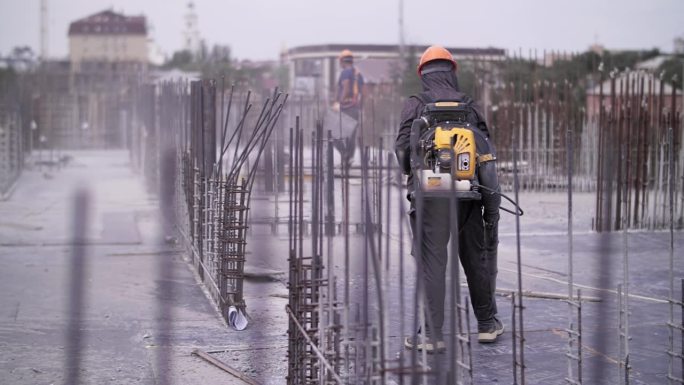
{"points": [[425, 98], [485, 158]]}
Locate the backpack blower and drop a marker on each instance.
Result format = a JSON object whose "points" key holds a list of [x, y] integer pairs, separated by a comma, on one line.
{"points": [[444, 151]]}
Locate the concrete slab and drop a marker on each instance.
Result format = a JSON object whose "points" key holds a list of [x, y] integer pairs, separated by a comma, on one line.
{"points": [[143, 303], [131, 280]]}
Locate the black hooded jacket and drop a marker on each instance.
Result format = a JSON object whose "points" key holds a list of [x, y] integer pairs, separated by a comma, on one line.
{"points": [[444, 86]]}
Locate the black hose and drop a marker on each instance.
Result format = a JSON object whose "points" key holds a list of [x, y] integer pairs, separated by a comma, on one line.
{"points": [[519, 211]]}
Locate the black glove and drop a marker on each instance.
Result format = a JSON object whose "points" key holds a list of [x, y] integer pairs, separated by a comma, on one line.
{"points": [[491, 239], [491, 245]]}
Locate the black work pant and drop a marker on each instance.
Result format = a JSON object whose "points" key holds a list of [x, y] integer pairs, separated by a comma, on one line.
{"points": [[478, 263]]}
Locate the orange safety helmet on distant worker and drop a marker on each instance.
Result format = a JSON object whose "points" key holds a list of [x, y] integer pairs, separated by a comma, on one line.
{"points": [[435, 52], [346, 55]]}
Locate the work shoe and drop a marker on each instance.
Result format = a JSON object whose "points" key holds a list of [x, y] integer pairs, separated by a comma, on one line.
{"points": [[487, 332], [424, 343]]}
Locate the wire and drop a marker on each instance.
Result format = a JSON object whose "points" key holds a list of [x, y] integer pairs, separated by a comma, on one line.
{"points": [[519, 211]]}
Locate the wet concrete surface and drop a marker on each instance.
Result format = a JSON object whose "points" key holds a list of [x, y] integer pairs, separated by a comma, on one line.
{"points": [[125, 256], [121, 325]]}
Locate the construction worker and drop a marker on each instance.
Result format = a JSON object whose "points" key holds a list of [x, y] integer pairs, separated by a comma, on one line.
{"points": [[477, 220], [348, 100]]}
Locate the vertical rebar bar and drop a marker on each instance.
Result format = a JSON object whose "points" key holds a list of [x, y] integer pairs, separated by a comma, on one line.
{"points": [[388, 252], [571, 310], [579, 336], [455, 295], [620, 335], [671, 353], [520, 307], [514, 338], [402, 308], [347, 272], [78, 270]]}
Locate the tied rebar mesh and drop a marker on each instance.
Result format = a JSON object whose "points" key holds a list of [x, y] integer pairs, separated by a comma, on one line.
{"points": [[13, 146], [574, 348], [231, 239], [216, 176], [632, 115], [306, 363]]}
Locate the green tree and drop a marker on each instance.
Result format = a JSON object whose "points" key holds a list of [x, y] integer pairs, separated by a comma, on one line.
{"points": [[181, 60], [672, 69], [410, 82], [627, 59]]}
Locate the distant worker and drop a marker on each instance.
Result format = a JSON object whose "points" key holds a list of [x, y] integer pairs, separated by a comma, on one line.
{"points": [[477, 219], [349, 101]]}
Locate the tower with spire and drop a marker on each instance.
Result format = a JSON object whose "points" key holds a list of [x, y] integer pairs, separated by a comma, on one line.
{"points": [[191, 37]]}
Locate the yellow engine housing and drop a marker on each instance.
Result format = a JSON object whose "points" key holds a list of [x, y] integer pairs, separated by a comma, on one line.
{"points": [[463, 165]]}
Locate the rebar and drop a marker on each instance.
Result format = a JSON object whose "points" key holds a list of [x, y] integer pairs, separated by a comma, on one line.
{"points": [[78, 270], [625, 122], [519, 360], [570, 214]]}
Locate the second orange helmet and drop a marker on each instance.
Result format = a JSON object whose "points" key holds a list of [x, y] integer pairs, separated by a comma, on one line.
{"points": [[346, 54]]}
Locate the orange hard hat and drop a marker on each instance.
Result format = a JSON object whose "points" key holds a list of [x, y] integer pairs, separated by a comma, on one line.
{"points": [[346, 54], [435, 52]]}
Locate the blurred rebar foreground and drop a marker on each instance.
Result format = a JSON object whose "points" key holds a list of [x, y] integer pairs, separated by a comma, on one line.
{"points": [[217, 152]]}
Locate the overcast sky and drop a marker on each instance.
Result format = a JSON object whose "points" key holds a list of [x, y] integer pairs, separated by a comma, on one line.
{"points": [[261, 29]]}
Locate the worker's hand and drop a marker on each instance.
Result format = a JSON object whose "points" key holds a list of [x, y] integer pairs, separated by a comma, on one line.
{"points": [[491, 217], [335, 107]]}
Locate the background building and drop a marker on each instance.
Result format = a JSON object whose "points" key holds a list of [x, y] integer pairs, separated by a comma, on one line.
{"points": [[109, 37], [314, 68], [87, 100]]}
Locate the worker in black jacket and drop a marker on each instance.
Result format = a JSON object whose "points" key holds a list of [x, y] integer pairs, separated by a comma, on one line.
{"points": [[477, 220]]}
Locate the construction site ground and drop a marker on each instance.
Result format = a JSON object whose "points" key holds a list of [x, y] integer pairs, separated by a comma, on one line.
{"points": [[126, 252]]}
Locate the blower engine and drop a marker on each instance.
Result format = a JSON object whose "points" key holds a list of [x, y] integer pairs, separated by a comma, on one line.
{"points": [[444, 153]]}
